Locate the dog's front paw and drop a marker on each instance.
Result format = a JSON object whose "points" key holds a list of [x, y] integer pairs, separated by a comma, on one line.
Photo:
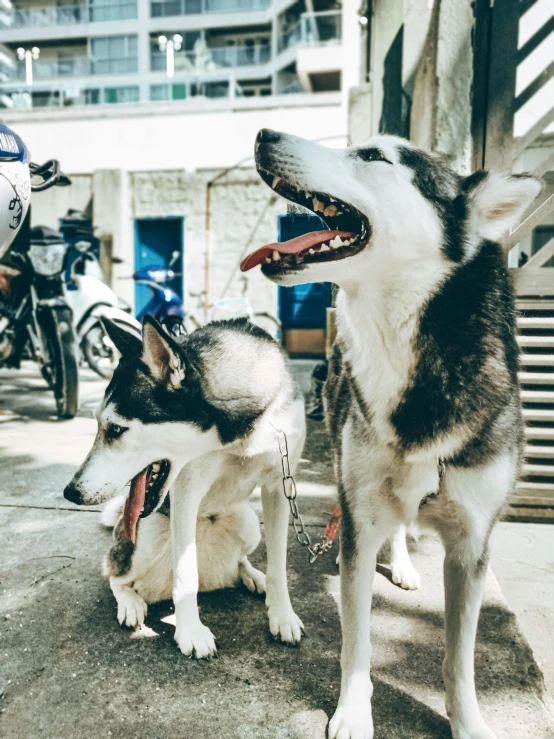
{"points": [[131, 608], [285, 625], [405, 575], [351, 722], [197, 641]]}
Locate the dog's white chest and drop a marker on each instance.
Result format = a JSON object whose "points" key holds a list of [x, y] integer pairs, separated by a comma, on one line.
{"points": [[379, 351]]}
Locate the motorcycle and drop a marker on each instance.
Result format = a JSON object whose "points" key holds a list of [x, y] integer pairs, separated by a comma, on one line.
{"points": [[91, 300], [166, 306], [34, 315]]}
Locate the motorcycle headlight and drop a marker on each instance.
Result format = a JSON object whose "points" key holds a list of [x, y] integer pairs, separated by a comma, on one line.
{"points": [[47, 260]]}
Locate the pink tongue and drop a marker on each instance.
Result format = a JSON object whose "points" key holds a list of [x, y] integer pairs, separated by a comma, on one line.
{"points": [[134, 505], [294, 246]]}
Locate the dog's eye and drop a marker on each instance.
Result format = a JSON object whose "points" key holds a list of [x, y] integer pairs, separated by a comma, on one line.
{"points": [[114, 431], [372, 155]]}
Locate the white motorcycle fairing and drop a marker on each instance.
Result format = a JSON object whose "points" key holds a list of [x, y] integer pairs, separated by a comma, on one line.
{"points": [[113, 313]]}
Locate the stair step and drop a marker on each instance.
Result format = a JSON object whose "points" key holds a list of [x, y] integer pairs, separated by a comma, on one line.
{"points": [[538, 452], [544, 434], [535, 322], [536, 360], [537, 396], [538, 305], [538, 470], [542, 341], [538, 414], [536, 378]]}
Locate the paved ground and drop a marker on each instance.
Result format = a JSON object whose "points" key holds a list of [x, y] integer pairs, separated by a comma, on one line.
{"points": [[68, 671]]}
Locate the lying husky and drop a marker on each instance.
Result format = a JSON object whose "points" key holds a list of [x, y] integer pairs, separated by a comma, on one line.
{"points": [[196, 416], [422, 400]]}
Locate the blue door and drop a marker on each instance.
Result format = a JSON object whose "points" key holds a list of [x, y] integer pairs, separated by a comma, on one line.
{"points": [[302, 306], [156, 240]]}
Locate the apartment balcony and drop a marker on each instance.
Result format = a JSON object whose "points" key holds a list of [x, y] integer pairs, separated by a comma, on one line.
{"points": [[56, 69], [69, 15], [166, 8], [210, 60], [313, 48], [313, 29]]}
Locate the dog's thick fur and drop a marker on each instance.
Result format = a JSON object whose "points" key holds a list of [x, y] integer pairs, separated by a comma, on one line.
{"points": [[209, 404], [424, 369]]}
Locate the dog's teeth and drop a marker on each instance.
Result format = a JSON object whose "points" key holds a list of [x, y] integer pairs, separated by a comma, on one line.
{"points": [[276, 181], [267, 260], [307, 194], [336, 242], [311, 251], [330, 210], [276, 256], [324, 247]]}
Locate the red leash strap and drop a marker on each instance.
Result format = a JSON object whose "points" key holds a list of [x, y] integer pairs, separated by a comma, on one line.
{"points": [[334, 523]]}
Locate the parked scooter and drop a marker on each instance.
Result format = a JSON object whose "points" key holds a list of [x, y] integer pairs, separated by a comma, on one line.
{"points": [[166, 306], [91, 300], [34, 316]]}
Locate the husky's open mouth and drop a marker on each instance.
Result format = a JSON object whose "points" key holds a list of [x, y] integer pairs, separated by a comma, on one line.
{"points": [[144, 495], [349, 231]]}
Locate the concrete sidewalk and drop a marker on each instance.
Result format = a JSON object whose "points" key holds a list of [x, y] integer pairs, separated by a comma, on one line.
{"points": [[68, 671]]}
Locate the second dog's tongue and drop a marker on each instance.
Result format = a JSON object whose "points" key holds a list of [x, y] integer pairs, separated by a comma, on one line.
{"points": [[134, 504], [294, 246]]}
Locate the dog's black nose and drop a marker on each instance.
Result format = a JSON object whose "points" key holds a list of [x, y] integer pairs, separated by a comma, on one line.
{"points": [[267, 136], [72, 493]]}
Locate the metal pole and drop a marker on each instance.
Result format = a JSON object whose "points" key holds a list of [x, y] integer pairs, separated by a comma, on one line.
{"points": [[207, 248], [28, 67], [170, 59]]}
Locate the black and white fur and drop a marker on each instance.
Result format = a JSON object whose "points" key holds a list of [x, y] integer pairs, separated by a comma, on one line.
{"points": [[209, 404], [424, 369]]}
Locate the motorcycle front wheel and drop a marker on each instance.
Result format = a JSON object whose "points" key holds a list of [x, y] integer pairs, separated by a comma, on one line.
{"points": [[99, 351], [60, 368]]}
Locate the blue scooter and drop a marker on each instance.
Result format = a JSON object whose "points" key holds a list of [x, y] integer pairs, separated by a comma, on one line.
{"points": [[165, 305]]}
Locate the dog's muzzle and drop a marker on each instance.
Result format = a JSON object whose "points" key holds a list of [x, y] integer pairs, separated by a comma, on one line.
{"points": [[72, 493]]}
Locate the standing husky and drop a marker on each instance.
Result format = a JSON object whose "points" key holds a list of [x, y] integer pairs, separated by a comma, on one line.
{"points": [[422, 395], [196, 416]]}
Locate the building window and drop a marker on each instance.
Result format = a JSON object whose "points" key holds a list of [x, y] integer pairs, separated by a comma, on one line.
{"points": [[122, 94], [163, 8], [168, 92], [114, 54], [215, 89], [92, 97], [112, 10]]}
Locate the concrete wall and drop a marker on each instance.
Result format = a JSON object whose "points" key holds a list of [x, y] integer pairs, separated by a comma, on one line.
{"points": [[238, 202], [190, 135]]}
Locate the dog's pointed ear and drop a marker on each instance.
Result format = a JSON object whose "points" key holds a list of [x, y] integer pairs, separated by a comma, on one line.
{"points": [[498, 201], [127, 343], [161, 354]]}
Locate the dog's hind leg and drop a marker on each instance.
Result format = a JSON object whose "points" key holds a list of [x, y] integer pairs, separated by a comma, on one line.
{"points": [[470, 505], [252, 578], [283, 621], [404, 573]]}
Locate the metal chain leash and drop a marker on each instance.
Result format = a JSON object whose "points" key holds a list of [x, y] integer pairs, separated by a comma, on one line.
{"points": [[289, 489]]}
